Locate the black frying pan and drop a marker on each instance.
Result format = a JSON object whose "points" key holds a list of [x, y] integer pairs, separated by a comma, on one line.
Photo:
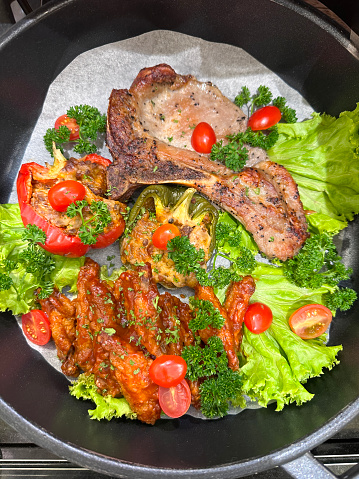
{"points": [[311, 55]]}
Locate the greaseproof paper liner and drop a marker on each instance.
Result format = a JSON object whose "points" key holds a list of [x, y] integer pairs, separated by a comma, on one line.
{"points": [[90, 78]]}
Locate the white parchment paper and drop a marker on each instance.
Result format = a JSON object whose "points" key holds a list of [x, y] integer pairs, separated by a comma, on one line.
{"points": [[91, 76]]}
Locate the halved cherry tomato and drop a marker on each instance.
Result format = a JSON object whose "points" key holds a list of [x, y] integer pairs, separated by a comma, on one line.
{"points": [[264, 118], [62, 194], [168, 370], [36, 327], [163, 234], [310, 321], [71, 124], [176, 400], [203, 138], [258, 317]]}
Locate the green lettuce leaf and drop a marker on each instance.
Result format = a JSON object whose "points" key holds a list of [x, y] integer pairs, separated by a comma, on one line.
{"points": [[246, 238], [322, 154], [266, 374], [320, 223], [278, 362], [20, 298], [107, 407]]}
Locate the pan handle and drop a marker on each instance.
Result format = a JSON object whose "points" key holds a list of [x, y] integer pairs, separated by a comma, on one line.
{"points": [[307, 466]]}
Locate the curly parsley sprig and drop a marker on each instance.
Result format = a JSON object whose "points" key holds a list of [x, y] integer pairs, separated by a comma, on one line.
{"points": [[221, 384], [187, 259], [95, 224], [205, 314], [234, 153], [91, 122], [263, 97], [318, 264], [34, 259]]}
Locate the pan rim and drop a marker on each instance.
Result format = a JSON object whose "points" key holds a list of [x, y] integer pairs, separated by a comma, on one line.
{"points": [[110, 465]]}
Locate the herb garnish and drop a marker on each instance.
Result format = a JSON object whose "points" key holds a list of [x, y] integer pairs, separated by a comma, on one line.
{"points": [[91, 122], [34, 259], [221, 384], [92, 227], [234, 154], [318, 264]]}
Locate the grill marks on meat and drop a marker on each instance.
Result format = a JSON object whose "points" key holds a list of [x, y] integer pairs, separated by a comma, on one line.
{"points": [[148, 149], [96, 333]]}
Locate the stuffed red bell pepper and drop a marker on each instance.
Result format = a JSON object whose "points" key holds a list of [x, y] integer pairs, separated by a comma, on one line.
{"points": [[66, 200]]}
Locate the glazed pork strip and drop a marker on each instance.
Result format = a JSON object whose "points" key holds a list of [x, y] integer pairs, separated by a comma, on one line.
{"points": [[131, 369], [140, 295], [175, 328], [206, 293], [62, 316], [237, 299]]}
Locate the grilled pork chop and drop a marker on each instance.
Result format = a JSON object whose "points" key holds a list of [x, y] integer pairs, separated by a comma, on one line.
{"points": [[149, 136]]}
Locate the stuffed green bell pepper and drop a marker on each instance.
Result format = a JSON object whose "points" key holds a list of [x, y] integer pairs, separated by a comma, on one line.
{"points": [[160, 213]]}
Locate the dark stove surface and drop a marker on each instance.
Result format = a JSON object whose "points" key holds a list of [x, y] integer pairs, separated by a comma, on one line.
{"points": [[21, 458]]}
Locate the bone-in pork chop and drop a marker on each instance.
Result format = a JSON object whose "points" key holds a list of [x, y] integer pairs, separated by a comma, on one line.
{"points": [[149, 131]]}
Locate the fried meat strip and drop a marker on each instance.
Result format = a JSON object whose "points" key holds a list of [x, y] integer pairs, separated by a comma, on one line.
{"points": [[140, 296], [175, 316], [62, 316], [225, 333], [131, 369], [96, 311], [236, 302]]}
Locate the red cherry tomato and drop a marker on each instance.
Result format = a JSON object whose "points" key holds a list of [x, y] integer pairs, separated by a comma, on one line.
{"points": [[264, 118], [36, 327], [258, 317], [71, 124], [163, 234], [176, 400], [310, 321], [168, 370], [203, 138], [62, 194]]}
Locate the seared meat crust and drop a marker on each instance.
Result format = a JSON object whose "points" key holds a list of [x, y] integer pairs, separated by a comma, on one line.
{"points": [[142, 140]]}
